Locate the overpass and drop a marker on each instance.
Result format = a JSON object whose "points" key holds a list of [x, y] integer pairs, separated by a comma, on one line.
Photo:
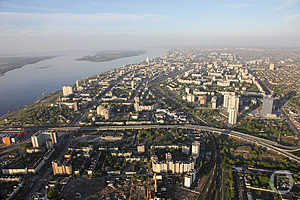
{"points": [[270, 145]]}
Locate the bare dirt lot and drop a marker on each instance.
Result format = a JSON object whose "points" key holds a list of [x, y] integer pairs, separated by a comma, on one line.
{"points": [[88, 188]]}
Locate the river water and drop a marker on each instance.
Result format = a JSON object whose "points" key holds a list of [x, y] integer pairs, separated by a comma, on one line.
{"points": [[25, 85]]}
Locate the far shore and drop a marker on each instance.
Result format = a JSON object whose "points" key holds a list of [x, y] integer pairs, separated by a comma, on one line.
{"points": [[11, 63], [111, 55]]}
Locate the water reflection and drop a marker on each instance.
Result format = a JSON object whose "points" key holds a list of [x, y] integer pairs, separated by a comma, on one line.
{"points": [[22, 86]]}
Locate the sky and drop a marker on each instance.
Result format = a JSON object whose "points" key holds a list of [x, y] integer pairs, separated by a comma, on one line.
{"points": [[63, 25]]}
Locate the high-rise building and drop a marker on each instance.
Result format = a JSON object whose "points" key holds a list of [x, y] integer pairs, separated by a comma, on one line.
{"points": [[40, 138], [189, 179], [232, 119], [67, 90], [233, 103], [187, 90], [272, 66], [37, 140], [147, 60], [77, 84], [267, 106], [214, 102], [53, 136], [226, 101], [196, 148], [172, 166]]}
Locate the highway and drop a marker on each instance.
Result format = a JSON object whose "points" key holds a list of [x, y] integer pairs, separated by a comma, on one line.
{"points": [[270, 145]]}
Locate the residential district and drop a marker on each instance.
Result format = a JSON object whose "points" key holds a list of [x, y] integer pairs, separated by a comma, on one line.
{"points": [[193, 124]]}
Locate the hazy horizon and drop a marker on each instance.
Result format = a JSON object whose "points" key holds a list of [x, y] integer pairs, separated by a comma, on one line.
{"points": [[37, 26]]}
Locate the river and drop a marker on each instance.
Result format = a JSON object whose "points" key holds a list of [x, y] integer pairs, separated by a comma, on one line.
{"points": [[22, 86]]}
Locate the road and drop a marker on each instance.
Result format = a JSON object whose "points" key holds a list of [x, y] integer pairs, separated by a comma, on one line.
{"points": [[291, 124], [172, 97], [270, 145], [39, 182]]}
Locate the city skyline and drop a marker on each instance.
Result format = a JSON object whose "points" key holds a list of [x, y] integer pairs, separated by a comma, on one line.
{"points": [[96, 25]]}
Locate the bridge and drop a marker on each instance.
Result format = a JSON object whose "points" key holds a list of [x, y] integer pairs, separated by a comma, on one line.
{"points": [[270, 145]]}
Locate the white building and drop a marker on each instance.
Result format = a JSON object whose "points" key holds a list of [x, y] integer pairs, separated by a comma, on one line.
{"points": [[67, 90], [78, 87], [147, 60], [189, 179], [71, 105], [40, 138], [196, 148], [226, 101], [190, 98], [140, 108], [187, 90], [233, 103], [214, 102], [232, 119], [37, 140], [174, 167]]}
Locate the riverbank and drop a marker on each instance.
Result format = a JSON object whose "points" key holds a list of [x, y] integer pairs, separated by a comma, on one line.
{"points": [[50, 98], [25, 85], [11, 63]]}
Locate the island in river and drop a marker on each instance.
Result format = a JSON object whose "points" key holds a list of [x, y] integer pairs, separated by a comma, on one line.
{"points": [[104, 56], [11, 63]]}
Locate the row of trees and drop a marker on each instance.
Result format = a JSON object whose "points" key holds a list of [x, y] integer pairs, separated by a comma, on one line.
{"points": [[269, 129], [162, 136]]}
